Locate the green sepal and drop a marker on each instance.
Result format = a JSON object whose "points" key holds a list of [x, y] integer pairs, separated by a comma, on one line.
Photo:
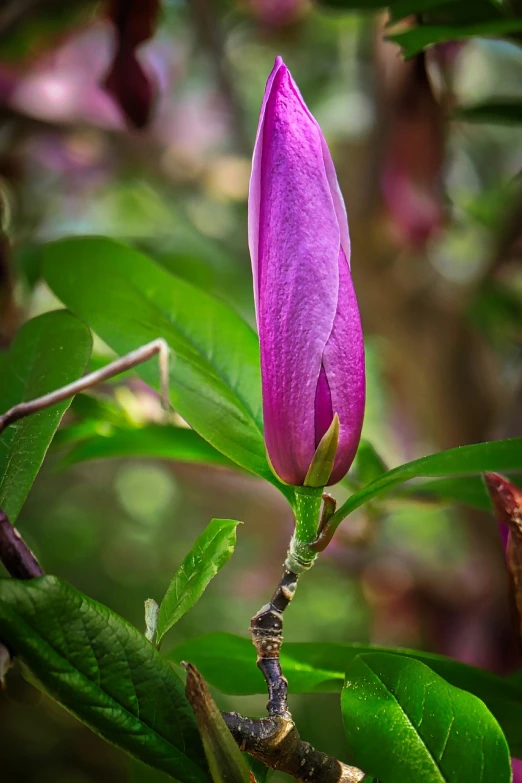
{"points": [[323, 460]]}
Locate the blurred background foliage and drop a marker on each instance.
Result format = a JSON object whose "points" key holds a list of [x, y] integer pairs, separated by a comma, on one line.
{"points": [[428, 156]]}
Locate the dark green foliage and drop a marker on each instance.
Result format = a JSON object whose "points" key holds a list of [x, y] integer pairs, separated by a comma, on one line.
{"points": [[228, 663], [405, 723], [128, 300], [178, 444], [501, 455], [103, 671]]}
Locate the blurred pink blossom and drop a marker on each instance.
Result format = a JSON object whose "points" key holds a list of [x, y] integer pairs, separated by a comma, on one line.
{"points": [[65, 85], [411, 180], [277, 13]]}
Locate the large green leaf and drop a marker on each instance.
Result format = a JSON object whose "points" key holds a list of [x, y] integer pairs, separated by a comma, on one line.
{"points": [[499, 455], [154, 440], [418, 38], [405, 723], [211, 550], [129, 300], [469, 491], [228, 663], [103, 671], [48, 352]]}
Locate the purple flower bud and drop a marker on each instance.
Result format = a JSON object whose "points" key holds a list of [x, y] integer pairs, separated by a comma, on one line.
{"points": [[312, 352]]}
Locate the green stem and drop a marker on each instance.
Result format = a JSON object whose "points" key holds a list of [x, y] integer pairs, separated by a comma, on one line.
{"points": [[307, 507], [307, 510]]}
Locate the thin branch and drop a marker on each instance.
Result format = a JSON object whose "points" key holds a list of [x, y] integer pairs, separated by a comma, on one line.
{"points": [[20, 563], [276, 742], [266, 627], [127, 362], [267, 636], [16, 556]]}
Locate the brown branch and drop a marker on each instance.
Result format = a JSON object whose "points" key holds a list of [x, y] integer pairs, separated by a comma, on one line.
{"points": [[20, 563], [276, 742], [127, 362], [267, 636], [266, 627], [16, 556]]}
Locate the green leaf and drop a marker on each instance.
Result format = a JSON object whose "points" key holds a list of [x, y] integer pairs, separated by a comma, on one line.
{"points": [[418, 38], [48, 352], [403, 8], [128, 300], [368, 464], [447, 11], [502, 111], [154, 440], [498, 456], [225, 760], [228, 663], [212, 549], [103, 671], [405, 723], [470, 491]]}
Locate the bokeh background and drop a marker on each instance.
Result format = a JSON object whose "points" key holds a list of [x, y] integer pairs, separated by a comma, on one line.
{"points": [[159, 155]]}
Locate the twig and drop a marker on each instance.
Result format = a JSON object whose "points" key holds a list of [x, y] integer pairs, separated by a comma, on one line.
{"points": [[16, 556], [267, 636], [266, 627], [20, 563], [276, 742], [127, 362]]}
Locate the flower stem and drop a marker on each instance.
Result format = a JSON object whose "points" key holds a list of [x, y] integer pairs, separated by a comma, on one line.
{"points": [[266, 626], [275, 740], [301, 555]]}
